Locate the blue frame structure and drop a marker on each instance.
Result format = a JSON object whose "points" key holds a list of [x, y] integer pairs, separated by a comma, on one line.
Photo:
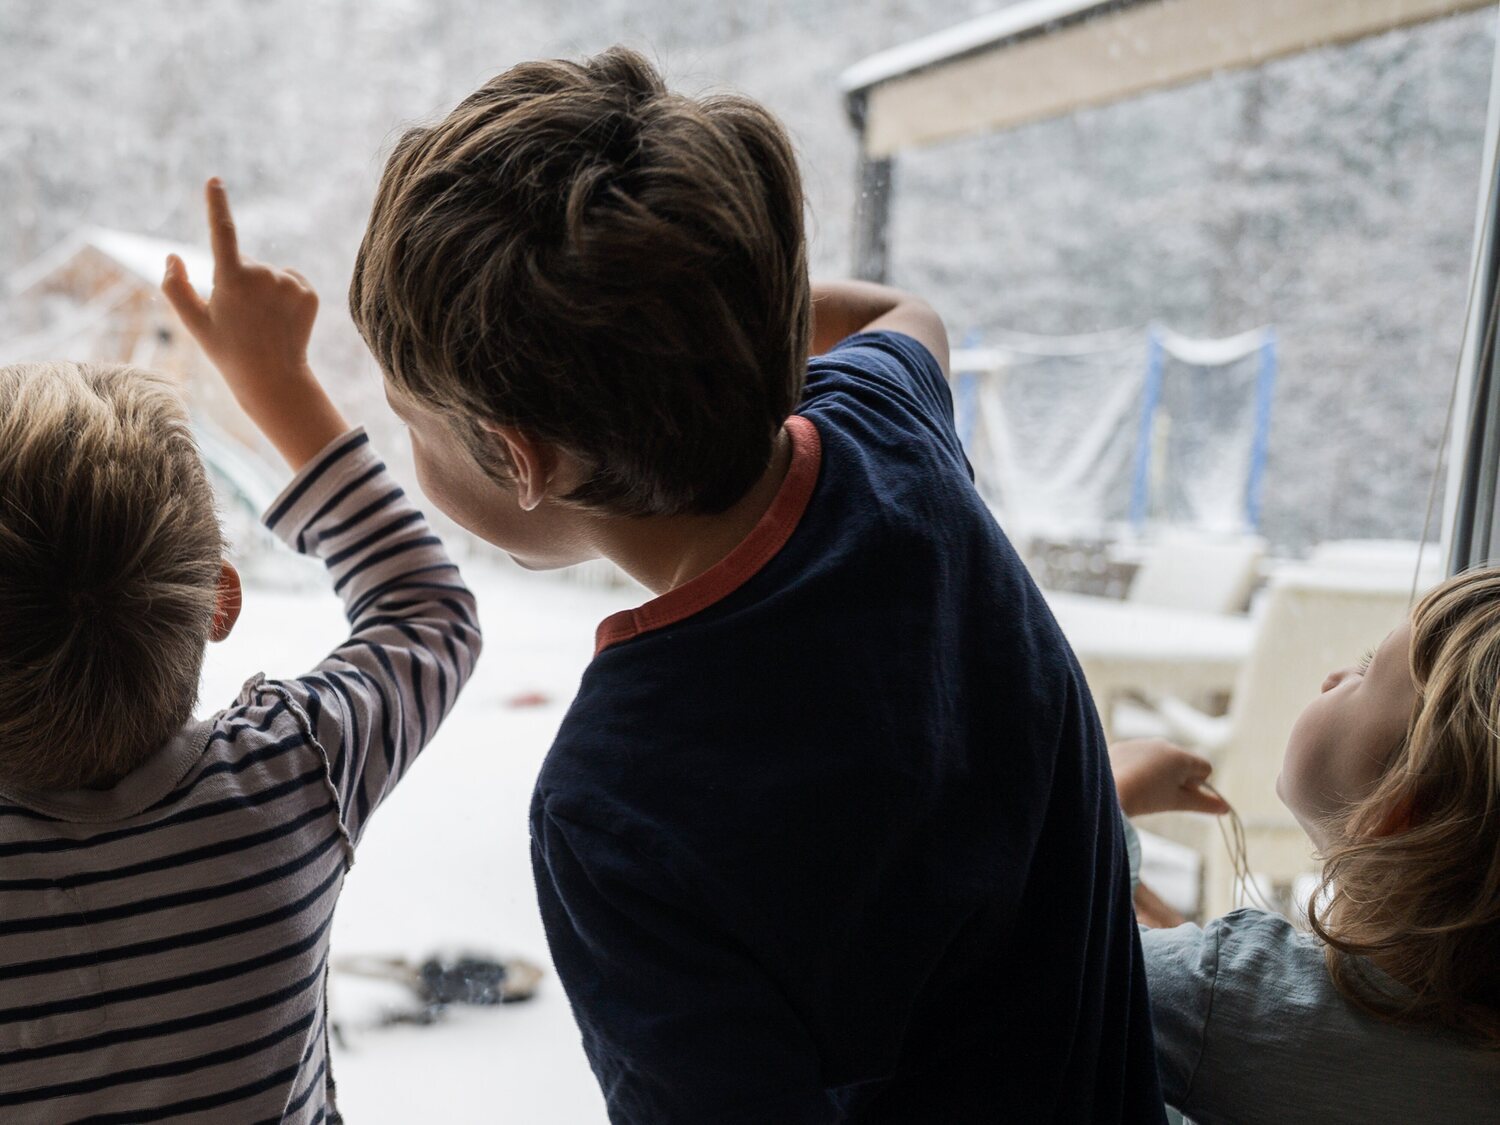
{"points": [[1265, 388], [1140, 489], [966, 417]]}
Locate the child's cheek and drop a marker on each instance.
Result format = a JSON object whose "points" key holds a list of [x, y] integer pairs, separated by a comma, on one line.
{"points": [[1300, 783]]}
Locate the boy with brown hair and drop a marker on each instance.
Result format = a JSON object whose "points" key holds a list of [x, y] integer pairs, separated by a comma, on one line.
{"points": [[168, 884], [796, 832]]}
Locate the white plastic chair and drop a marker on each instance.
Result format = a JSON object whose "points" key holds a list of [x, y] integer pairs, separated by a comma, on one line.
{"points": [[1206, 574]]}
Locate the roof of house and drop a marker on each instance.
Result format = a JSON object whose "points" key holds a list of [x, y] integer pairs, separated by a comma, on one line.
{"points": [[140, 255], [1037, 59], [1027, 17]]}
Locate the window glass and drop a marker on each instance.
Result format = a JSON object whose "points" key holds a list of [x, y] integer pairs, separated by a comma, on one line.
{"points": [[1204, 341]]}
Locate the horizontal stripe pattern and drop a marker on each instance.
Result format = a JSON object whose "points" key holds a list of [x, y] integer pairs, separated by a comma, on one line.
{"points": [[166, 959]]}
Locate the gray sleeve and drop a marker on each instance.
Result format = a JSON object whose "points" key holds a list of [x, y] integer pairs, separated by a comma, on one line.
{"points": [[1132, 851], [1250, 1028], [1182, 966]]}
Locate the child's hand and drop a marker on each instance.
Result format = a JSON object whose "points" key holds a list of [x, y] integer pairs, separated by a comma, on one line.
{"points": [[254, 328], [1153, 775]]}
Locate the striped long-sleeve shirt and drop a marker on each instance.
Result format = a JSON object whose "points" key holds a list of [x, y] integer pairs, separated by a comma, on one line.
{"points": [[164, 943]]}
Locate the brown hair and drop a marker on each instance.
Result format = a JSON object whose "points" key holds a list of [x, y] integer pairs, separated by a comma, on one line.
{"points": [[1414, 880], [109, 565], [611, 267]]}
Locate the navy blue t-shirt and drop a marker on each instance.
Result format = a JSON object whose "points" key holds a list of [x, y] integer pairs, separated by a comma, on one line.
{"points": [[829, 832]]}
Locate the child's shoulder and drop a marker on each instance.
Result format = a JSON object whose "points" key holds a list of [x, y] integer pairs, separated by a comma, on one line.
{"points": [[1245, 1009], [1239, 955], [263, 740], [884, 368], [1248, 937], [885, 418]]}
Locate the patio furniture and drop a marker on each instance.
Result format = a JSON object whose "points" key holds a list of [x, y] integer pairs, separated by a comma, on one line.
{"points": [[1080, 565], [1203, 573], [1126, 646], [1395, 556]]}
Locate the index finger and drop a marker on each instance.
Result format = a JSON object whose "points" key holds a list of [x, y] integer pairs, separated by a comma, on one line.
{"points": [[1207, 798], [221, 232]]}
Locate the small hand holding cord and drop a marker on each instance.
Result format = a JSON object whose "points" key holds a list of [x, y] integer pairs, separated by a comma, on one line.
{"points": [[255, 327], [1153, 775]]}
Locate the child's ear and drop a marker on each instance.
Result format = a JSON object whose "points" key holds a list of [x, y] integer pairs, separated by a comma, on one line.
{"points": [[227, 611], [533, 462]]}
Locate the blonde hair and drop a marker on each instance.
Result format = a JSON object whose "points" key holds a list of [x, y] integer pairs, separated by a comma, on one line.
{"points": [[1413, 882], [110, 554]]}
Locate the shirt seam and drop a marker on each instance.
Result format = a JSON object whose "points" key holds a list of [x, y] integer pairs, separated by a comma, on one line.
{"points": [[305, 724], [1213, 994]]}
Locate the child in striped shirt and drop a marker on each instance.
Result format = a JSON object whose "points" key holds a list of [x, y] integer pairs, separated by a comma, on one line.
{"points": [[167, 884]]}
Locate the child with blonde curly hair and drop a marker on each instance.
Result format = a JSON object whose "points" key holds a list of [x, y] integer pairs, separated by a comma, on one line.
{"points": [[1389, 1010]]}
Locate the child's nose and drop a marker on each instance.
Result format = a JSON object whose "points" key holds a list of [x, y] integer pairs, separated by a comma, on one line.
{"points": [[1333, 679]]}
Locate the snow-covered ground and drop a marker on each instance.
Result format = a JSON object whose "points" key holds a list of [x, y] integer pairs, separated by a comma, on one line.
{"points": [[446, 862]]}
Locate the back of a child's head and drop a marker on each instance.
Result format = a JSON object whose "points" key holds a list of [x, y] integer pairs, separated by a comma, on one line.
{"points": [[609, 266], [110, 556], [1413, 880]]}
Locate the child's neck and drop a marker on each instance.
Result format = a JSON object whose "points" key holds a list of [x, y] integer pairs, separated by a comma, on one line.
{"points": [[664, 552]]}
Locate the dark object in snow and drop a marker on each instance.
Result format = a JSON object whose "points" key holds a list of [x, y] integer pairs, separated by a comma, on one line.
{"points": [[441, 981], [471, 980]]}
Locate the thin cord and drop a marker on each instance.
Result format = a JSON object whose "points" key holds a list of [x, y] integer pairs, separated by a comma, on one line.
{"points": [[1437, 474], [1232, 829], [1485, 349]]}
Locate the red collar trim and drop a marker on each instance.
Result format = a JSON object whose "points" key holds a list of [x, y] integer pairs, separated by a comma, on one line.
{"points": [[731, 572]]}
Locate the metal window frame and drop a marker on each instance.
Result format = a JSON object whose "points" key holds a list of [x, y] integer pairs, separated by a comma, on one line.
{"points": [[1471, 523]]}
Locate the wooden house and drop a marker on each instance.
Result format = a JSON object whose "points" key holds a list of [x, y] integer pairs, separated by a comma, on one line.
{"points": [[96, 298]]}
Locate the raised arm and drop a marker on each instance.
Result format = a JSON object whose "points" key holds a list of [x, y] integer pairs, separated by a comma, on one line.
{"points": [[378, 697], [842, 308]]}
